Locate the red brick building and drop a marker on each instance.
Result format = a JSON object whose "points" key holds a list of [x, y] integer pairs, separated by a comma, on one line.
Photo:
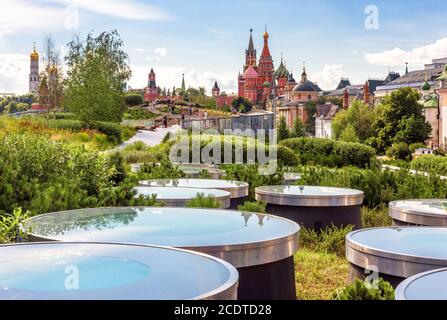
{"points": [[223, 99]]}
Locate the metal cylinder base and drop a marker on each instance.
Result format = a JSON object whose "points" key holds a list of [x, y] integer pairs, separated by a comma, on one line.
{"points": [[357, 272], [319, 218], [271, 281]]}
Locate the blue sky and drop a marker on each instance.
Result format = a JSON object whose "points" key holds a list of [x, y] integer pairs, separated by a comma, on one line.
{"points": [[206, 39]]}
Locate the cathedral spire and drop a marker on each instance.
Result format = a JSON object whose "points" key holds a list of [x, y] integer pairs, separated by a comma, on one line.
{"points": [[251, 47], [183, 82]]}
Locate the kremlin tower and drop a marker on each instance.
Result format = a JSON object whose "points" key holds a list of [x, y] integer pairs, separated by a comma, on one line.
{"points": [[34, 72], [152, 92]]}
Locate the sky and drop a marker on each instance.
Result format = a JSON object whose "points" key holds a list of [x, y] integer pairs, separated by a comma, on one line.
{"points": [[206, 39]]}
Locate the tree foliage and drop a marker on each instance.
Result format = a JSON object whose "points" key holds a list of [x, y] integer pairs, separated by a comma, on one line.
{"points": [[353, 124], [97, 71], [283, 130], [399, 118]]}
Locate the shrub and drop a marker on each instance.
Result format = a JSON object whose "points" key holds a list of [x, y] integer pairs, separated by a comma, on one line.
{"points": [[62, 116], [66, 124], [399, 151], [379, 186], [11, 225], [360, 290], [375, 217], [162, 170], [203, 201], [138, 114], [430, 163], [116, 160], [330, 153], [287, 156], [250, 174], [42, 176], [253, 206], [133, 99], [111, 129], [330, 240]]}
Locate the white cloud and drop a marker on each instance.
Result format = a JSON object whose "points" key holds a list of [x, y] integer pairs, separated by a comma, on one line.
{"points": [[172, 76], [417, 56], [14, 70], [139, 50], [158, 54], [129, 9], [161, 52], [329, 77], [19, 15], [46, 15]]}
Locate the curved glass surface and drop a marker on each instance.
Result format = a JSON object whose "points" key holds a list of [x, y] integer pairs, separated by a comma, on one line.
{"points": [[428, 286], [177, 227], [107, 271], [423, 242], [429, 206], [311, 191], [175, 193], [194, 183]]}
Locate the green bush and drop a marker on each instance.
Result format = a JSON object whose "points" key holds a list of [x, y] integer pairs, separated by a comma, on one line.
{"points": [[116, 160], [329, 240], [287, 156], [330, 153], [11, 225], [375, 217], [133, 99], [41, 176], [66, 124], [399, 151], [380, 186], [111, 129], [250, 174], [203, 201], [162, 170], [430, 163], [360, 290], [138, 114], [62, 116], [253, 206]]}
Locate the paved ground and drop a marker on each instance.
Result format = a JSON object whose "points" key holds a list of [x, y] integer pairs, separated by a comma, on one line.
{"points": [[151, 138]]}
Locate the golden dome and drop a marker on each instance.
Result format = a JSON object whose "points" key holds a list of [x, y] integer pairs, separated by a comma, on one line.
{"points": [[266, 34], [34, 55]]}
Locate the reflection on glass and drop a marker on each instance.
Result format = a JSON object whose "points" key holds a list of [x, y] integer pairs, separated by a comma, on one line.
{"points": [[427, 242], [163, 226]]}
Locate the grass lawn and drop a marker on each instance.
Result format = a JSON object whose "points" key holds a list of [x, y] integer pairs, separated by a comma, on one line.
{"points": [[318, 275]]}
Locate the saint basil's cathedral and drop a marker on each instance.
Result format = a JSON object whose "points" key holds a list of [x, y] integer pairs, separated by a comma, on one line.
{"points": [[255, 83]]}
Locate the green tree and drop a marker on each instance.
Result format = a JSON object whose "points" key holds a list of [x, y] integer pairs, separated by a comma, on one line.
{"points": [[283, 130], [97, 70], [399, 151], [242, 105], [51, 82], [349, 134], [298, 129], [359, 117], [399, 118], [311, 109]]}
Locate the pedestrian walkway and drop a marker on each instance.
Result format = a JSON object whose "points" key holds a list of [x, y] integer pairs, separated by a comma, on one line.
{"points": [[150, 138]]}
